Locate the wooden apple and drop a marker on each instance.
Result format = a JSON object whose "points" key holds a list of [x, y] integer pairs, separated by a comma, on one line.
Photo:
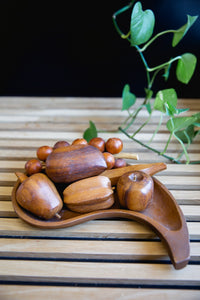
{"points": [[135, 190]]}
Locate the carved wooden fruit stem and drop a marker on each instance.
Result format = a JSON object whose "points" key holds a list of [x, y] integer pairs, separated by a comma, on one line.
{"points": [[127, 155], [43, 165], [150, 169], [58, 216], [21, 176]]}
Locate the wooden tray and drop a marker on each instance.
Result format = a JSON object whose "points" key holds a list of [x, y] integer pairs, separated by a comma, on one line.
{"points": [[163, 215]]}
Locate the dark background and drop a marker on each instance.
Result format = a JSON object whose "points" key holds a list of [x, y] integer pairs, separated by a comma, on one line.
{"points": [[71, 48]]}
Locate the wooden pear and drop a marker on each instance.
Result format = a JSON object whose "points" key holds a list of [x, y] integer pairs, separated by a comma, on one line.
{"points": [[38, 195]]}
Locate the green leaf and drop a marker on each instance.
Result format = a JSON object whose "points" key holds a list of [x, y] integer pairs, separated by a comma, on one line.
{"points": [[197, 121], [197, 116], [179, 33], [170, 109], [185, 67], [148, 107], [128, 98], [163, 97], [187, 133], [90, 132], [181, 110], [142, 24], [178, 123]]}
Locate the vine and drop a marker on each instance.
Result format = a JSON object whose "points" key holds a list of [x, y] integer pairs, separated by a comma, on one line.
{"points": [[182, 128]]}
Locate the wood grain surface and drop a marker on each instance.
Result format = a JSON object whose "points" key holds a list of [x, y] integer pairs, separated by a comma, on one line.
{"points": [[100, 259]]}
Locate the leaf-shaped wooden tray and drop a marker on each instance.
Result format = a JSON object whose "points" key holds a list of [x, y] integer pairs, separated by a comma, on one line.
{"points": [[163, 215]]}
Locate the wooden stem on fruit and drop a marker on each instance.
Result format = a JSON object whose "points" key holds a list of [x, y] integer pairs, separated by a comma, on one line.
{"points": [[58, 216], [150, 169], [127, 155], [21, 176]]}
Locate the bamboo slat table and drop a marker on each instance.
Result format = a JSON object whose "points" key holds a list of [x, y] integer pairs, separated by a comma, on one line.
{"points": [[100, 259]]}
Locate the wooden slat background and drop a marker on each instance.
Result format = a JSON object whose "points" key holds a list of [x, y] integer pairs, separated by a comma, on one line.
{"points": [[100, 259]]}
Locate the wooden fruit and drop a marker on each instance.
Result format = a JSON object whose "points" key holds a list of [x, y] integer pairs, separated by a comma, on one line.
{"points": [[149, 169], [38, 195], [114, 145], [98, 142], [79, 141], [33, 166], [89, 194], [43, 152], [61, 144], [75, 162], [110, 160], [135, 190], [120, 163], [163, 215]]}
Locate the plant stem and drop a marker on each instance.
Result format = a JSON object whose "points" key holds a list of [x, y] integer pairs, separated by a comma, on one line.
{"points": [[157, 128], [133, 117], [146, 68], [155, 37], [148, 147], [144, 124], [164, 64], [188, 143], [123, 9], [195, 162], [184, 149], [153, 78], [149, 84], [128, 118], [167, 144]]}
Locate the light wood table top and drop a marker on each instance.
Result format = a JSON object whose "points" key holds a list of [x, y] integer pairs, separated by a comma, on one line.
{"points": [[99, 259]]}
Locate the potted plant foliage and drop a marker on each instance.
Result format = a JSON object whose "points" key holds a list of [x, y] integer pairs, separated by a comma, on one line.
{"points": [[180, 126]]}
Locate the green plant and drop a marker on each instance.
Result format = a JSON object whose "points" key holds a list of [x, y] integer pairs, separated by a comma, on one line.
{"points": [[182, 128]]}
